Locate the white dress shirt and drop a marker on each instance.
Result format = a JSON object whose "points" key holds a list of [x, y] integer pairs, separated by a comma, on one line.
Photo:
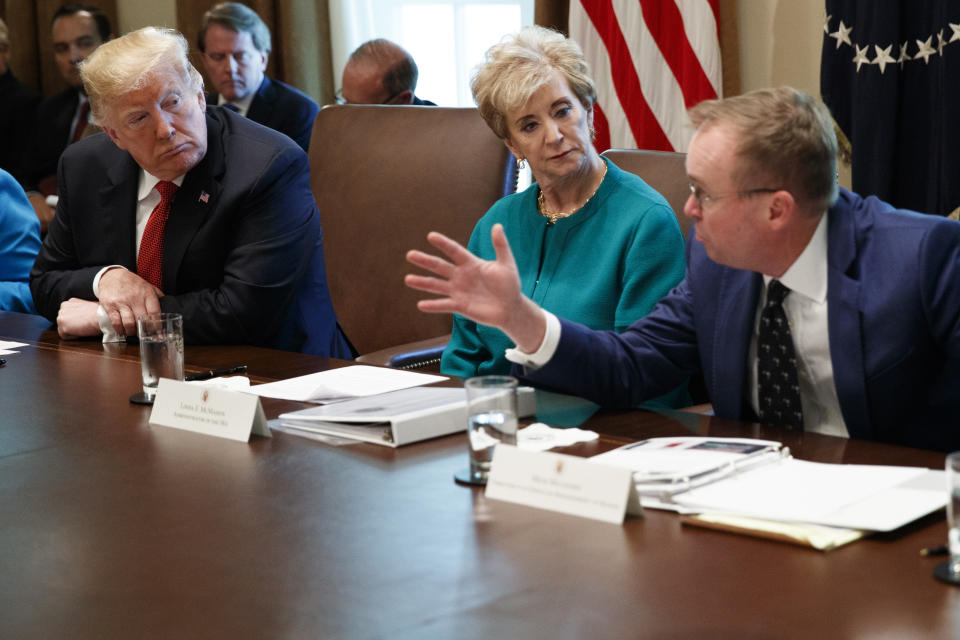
{"points": [[806, 311]]}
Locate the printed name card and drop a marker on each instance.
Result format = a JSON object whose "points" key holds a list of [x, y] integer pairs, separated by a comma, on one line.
{"points": [[208, 410], [559, 482]]}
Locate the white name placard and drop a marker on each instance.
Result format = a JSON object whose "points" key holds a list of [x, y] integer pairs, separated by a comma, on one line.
{"points": [[559, 482], [208, 410]]}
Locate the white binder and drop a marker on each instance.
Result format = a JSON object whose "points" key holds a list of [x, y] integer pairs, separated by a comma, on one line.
{"points": [[396, 418]]}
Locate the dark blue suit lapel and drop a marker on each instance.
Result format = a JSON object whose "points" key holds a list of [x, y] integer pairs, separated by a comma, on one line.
{"points": [[262, 106], [843, 320], [196, 198], [118, 202], [737, 296]]}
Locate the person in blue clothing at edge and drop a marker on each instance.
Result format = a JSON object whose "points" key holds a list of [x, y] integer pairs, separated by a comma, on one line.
{"points": [[19, 244], [593, 243], [863, 299]]}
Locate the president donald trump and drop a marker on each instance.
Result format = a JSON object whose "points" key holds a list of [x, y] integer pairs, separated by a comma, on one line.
{"points": [[178, 208]]}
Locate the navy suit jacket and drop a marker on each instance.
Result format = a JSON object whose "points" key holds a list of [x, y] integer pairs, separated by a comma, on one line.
{"points": [[282, 108], [893, 296], [243, 252]]}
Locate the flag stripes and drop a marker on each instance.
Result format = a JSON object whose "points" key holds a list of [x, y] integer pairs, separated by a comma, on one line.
{"points": [[651, 60]]}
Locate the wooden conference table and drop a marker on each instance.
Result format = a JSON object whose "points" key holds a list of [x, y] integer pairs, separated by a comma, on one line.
{"points": [[112, 528]]}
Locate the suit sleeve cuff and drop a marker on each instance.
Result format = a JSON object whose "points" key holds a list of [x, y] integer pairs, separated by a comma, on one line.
{"points": [[96, 278], [540, 357]]}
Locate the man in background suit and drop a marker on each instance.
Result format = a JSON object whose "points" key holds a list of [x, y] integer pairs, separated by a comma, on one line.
{"points": [[884, 364], [77, 31], [235, 45], [380, 72], [18, 104], [180, 209]]}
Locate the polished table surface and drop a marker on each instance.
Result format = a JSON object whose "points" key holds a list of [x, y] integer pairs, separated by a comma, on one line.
{"points": [[110, 527]]}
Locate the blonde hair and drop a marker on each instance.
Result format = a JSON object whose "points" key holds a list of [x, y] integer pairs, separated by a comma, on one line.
{"points": [[127, 63], [520, 64], [785, 137]]}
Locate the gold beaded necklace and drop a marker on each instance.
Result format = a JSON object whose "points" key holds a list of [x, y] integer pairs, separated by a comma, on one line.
{"points": [[553, 216]]}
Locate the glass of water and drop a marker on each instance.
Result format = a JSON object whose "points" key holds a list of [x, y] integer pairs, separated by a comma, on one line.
{"points": [[161, 349], [953, 513], [492, 419]]}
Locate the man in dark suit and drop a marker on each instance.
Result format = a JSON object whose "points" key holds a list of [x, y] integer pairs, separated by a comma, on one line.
{"points": [[180, 209], [235, 45], [380, 72], [774, 247], [77, 31], [18, 105]]}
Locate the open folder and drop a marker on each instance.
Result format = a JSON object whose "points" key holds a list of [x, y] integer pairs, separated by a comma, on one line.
{"points": [[759, 479]]}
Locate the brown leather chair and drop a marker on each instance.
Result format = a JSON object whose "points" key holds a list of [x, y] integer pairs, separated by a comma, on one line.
{"points": [[665, 171], [383, 177]]}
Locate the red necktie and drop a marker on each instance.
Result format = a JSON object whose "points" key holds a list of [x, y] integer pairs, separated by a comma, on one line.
{"points": [[81, 121], [149, 261]]}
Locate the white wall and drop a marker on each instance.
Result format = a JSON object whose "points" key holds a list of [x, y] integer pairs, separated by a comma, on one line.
{"points": [[780, 43]]}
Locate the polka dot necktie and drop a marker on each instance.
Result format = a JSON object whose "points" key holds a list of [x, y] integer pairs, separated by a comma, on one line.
{"points": [[149, 260], [778, 388]]}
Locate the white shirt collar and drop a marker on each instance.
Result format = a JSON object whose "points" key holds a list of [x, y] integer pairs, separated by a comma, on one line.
{"points": [[242, 105], [808, 273], [148, 182]]}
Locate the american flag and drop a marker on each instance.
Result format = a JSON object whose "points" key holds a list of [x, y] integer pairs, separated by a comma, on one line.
{"points": [[651, 61]]}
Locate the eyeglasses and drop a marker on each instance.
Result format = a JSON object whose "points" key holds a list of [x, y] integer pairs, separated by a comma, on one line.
{"points": [[702, 198], [341, 100]]}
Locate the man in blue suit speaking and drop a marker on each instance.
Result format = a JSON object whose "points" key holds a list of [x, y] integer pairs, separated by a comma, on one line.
{"points": [[804, 305], [181, 209]]}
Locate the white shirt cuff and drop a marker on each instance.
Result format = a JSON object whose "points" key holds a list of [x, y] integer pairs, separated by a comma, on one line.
{"points": [[96, 278], [109, 335], [540, 357]]}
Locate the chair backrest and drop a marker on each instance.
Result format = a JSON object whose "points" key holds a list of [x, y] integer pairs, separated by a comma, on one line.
{"points": [[663, 170], [383, 177]]}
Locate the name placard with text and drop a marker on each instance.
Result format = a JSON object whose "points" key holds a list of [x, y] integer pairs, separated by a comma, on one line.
{"points": [[208, 410]]}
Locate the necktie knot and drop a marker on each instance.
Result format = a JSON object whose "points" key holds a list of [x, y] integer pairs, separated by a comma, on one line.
{"points": [[776, 292], [166, 189], [231, 107]]}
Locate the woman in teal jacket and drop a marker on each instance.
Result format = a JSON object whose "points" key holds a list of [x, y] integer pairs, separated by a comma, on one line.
{"points": [[593, 243]]}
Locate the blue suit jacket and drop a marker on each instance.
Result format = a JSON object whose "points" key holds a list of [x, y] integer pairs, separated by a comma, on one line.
{"points": [[243, 252], [893, 296], [282, 108]]}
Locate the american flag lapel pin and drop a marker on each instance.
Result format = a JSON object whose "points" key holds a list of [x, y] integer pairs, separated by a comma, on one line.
{"points": [[204, 197]]}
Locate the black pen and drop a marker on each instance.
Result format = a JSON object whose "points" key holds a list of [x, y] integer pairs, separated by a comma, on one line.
{"points": [[942, 550], [215, 373]]}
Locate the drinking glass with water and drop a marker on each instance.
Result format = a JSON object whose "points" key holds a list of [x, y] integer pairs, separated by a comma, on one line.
{"points": [[161, 349], [492, 419]]}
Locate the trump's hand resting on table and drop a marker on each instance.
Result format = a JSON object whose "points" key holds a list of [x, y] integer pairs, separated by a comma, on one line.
{"points": [[487, 292], [77, 318], [125, 296]]}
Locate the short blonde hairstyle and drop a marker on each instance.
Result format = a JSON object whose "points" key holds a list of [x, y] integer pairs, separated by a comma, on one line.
{"points": [[786, 141], [520, 64], [127, 63]]}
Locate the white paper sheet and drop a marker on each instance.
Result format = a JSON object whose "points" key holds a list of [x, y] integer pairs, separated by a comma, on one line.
{"points": [[856, 496], [340, 384]]}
